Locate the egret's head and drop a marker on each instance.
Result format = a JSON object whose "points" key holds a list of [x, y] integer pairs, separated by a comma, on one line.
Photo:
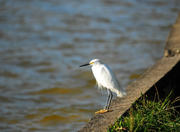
{"points": [[92, 62]]}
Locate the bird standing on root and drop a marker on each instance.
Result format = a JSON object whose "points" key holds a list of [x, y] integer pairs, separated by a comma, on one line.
{"points": [[105, 78]]}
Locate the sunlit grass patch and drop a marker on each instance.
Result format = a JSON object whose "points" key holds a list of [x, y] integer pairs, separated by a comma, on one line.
{"points": [[149, 116]]}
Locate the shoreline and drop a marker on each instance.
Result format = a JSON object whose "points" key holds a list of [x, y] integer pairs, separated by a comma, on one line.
{"points": [[161, 75]]}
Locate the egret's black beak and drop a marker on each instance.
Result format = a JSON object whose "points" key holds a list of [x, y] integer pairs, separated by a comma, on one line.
{"points": [[84, 65]]}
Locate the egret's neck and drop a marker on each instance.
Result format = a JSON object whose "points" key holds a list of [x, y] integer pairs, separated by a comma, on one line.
{"points": [[96, 67]]}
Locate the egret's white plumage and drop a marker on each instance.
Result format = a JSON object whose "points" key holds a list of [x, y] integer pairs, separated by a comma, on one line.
{"points": [[105, 78]]}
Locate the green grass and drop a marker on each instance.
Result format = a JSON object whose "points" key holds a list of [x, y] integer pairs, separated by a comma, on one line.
{"points": [[149, 116]]}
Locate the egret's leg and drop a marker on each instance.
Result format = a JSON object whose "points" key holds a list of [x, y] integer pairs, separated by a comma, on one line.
{"points": [[110, 95], [107, 102], [107, 99], [106, 109]]}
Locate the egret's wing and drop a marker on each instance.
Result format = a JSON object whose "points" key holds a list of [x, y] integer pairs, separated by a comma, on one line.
{"points": [[109, 79]]}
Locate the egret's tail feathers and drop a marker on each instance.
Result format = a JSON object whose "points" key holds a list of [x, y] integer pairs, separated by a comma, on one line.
{"points": [[121, 94]]}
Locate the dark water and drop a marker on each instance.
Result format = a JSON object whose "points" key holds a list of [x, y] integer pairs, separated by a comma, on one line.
{"points": [[43, 42]]}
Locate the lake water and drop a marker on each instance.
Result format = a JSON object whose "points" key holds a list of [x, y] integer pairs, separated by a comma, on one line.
{"points": [[42, 44]]}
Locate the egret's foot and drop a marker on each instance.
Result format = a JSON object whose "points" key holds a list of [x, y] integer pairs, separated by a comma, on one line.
{"points": [[101, 111]]}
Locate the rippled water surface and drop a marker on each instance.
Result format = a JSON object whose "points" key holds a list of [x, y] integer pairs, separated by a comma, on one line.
{"points": [[43, 42]]}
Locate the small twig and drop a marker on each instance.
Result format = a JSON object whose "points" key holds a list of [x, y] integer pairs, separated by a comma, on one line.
{"points": [[176, 100], [173, 107], [157, 92]]}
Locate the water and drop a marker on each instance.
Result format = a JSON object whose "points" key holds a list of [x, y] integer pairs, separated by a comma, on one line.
{"points": [[42, 43]]}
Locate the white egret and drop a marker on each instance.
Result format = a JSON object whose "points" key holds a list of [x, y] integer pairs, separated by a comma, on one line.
{"points": [[105, 78]]}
